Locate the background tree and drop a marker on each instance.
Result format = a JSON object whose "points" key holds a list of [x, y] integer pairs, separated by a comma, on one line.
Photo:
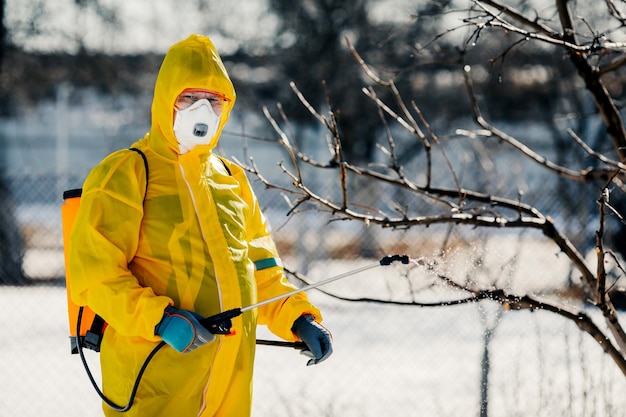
{"points": [[310, 51], [11, 243], [27, 79]]}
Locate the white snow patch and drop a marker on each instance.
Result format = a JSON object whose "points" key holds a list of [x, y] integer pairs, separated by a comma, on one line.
{"points": [[388, 361]]}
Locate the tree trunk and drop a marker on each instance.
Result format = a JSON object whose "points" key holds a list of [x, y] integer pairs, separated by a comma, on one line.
{"points": [[11, 242]]}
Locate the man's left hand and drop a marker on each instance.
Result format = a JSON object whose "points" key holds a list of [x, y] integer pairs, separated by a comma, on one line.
{"points": [[315, 336]]}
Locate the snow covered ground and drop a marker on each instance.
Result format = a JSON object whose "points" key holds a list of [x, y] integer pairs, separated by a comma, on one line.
{"points": [[388, 361]]}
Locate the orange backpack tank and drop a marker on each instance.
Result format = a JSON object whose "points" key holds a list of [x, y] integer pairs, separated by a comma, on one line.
{"points": [[91, 325]]}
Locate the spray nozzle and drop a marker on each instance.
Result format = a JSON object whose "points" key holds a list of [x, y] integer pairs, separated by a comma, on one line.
{"points": [[388, 260]]}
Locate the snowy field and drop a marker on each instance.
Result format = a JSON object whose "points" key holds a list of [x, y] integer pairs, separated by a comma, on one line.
{"points": [[388, 361]]}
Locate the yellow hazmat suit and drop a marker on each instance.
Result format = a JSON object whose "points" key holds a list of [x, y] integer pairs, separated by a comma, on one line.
{"points": [[198, 241]]}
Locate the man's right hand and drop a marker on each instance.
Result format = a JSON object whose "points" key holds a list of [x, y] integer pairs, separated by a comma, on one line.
{"points": [[181, 330]]}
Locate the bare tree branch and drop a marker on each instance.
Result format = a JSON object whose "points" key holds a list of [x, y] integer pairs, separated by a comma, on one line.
{"points": [[508, 301], [457, 204], [488, 130]]}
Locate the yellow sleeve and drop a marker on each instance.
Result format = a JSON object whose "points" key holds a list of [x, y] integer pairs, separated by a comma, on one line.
{"points": [[103, 241], [280, 315]]}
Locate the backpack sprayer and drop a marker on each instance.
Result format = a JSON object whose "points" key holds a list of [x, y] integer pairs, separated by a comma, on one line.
{"points": [[86, 327]]}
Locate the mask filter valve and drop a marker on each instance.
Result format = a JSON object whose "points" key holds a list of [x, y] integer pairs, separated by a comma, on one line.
{"points": [[200, 129]]}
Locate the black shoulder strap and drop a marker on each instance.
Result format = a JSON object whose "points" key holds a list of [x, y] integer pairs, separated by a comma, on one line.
{"points": [[145, 162]]}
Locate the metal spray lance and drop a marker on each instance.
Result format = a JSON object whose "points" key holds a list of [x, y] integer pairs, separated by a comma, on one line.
{"points": [[221, 323]]}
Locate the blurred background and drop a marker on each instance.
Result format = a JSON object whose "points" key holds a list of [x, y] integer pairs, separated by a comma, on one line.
{"points": [[76, 81]]}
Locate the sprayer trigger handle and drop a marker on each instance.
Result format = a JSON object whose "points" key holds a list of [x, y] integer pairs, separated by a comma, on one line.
{"points": [[221, 323]]}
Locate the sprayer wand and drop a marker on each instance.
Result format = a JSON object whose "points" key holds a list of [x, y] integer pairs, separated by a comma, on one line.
{"points": [[221, 323]]}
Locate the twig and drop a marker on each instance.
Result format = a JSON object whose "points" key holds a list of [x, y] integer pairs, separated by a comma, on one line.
{"points": [[523, 149]]}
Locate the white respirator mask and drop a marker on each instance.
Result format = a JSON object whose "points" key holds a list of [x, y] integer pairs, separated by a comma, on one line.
{"points": [[195, 125]]}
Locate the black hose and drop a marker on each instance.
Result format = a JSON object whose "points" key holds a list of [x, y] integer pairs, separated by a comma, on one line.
{"points": [[131, 399], [107, 401]]}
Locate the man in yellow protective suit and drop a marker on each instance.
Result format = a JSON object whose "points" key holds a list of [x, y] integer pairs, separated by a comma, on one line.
{"points": [[151, 252]]}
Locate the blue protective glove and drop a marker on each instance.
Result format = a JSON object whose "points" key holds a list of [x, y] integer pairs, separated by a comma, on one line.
{"points": [[181, 330], [315, 336]]}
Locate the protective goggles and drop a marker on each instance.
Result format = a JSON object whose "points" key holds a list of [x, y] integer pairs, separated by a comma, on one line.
{"points": [[191, 95]]}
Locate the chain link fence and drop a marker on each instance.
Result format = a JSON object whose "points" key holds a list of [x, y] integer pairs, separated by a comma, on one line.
{"points": [[392, 357]]}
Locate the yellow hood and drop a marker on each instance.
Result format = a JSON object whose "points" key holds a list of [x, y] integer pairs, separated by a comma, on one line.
{"points": [[190, 63]]}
